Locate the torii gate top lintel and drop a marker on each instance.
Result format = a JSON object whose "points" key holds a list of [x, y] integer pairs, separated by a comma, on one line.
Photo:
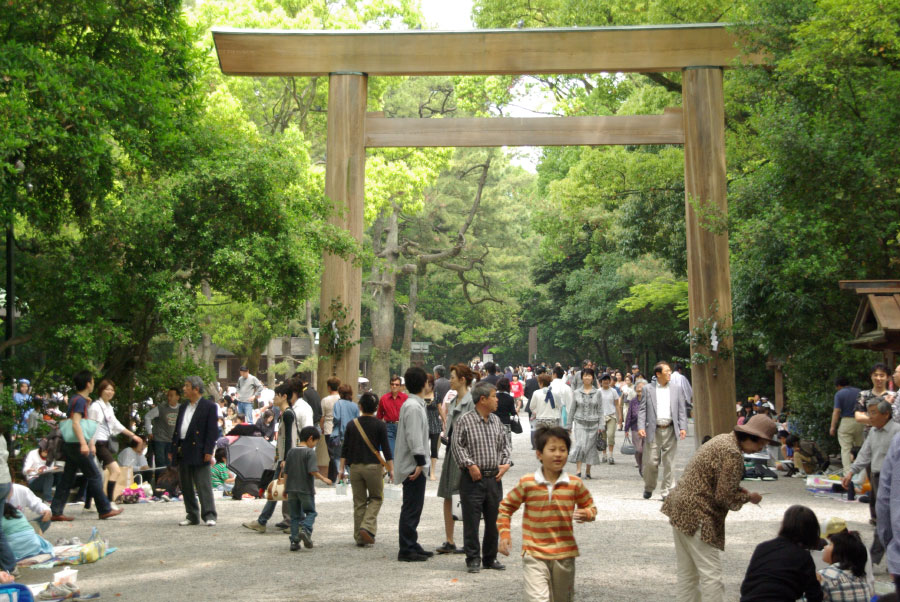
{"points": [[479, 52]]}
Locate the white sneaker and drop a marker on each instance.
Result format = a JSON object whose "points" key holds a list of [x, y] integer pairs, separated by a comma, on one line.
{"points": [[210, 523], [612, 460], [186, 523]]}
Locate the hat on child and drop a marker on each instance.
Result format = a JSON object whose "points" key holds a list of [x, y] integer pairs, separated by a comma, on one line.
{"points": [[833, 525]]}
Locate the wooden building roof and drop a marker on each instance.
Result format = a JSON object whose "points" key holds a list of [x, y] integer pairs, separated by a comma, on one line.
{"points": [[877, 323]]}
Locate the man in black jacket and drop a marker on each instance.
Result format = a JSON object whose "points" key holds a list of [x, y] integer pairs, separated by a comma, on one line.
{"points": [[193, 442]]}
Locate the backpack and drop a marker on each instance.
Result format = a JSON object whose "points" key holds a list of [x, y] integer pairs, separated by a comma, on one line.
{"points": [[54, 447]]}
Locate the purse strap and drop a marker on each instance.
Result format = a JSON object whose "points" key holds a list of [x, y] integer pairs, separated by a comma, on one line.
{"points": [[369, 443]]}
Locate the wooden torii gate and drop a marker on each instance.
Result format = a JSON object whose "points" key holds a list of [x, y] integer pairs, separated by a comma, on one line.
{"points": [[700, 52]]}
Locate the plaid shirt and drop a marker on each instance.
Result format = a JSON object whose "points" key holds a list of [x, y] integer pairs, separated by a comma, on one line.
{"points": [[480, 442], [839, 585]]}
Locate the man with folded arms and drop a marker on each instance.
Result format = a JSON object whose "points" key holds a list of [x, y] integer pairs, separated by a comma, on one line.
{"points": [[412, 445], [481, 450]]}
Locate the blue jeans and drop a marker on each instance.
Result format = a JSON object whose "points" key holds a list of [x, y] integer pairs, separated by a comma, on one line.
{"points": [[161, 451], [246, 408], [7, 558], [303, 511], [392, 434], [267, 512], [42, 485], [76, 461]]}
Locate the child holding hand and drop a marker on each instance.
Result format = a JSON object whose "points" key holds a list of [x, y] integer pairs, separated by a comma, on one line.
{"points": [[301, 469], [548, 552]]}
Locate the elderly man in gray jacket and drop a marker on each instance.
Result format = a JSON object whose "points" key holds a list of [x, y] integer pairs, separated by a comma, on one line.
{"points": [[662, 413], [410, 451]]}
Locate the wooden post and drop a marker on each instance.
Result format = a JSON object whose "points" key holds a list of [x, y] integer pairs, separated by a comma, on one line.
{"points": [[345, 159], [709, 281]]}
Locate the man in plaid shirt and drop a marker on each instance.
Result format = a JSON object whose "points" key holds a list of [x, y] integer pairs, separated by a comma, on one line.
{"points": [[481, 450]]}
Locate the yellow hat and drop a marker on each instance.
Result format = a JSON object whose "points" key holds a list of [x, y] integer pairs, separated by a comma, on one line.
{"points": [[833, 525]]}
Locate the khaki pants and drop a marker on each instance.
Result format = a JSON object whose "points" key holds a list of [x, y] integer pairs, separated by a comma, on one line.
{"points": [[367, 484], [610, 423], [660, 451], [548, 580], [850, 435], [699, 569]]}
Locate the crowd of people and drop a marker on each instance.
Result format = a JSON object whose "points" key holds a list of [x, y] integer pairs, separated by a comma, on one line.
{"points": [[472, 409]]}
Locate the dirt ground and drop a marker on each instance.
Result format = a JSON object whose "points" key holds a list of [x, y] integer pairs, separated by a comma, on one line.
{"points": [[627, 554]]}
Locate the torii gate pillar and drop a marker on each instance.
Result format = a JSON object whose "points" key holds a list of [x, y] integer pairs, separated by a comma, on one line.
{"points": [[709, 282], [345, 174]]}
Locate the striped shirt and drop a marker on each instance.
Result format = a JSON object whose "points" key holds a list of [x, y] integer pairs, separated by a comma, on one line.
{"points": [[480, 441], [547, 522]]}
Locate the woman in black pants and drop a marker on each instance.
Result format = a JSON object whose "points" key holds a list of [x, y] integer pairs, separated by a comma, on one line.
{"points": [[506, 406], [435, 424]]}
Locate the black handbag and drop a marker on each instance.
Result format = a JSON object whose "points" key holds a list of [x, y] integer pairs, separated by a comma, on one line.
{"points": [[514, 425]]}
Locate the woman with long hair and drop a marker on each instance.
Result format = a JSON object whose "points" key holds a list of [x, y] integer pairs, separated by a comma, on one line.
{"points": [[435, 424], [108, 426], [461, 378]]}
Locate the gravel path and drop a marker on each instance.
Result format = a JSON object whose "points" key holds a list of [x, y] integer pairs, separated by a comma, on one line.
{"points": [[627, 554]]}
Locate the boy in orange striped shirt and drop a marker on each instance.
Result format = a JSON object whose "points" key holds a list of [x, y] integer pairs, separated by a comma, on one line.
{"points": [[550, 497]]}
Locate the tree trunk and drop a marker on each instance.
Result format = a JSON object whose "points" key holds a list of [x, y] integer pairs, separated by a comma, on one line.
{"points": [[385, 287], [409, 321], [270, 365], [206, 346], [312, 344]]}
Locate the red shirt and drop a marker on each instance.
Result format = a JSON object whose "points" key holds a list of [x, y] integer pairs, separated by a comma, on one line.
{"points": [[389, 407], [517, 389]]}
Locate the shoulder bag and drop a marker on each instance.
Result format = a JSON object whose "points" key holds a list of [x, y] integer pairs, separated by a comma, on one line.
{"points": [[371, 447], [88, 428], [275, 489], [514, 425]]}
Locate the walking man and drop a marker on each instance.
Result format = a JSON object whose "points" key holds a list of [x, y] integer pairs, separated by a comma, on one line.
{"points": [[662, 414], [481, 450], [843, 423], [79, 456], [409, 463], [389, 408], [195, 436], [248, 390]]}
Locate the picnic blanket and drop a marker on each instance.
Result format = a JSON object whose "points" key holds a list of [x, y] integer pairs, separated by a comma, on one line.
{"points": [[92, 551]]}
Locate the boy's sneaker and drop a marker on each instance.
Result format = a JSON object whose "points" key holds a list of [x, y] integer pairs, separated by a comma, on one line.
{"points": [[255, 525], [306, 539], [295, 546]]}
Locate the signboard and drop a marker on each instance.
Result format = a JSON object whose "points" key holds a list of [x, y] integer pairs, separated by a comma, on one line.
{"points": [[420, 347]]}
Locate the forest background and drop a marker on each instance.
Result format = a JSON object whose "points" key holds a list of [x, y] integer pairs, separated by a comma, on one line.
{"points": [[160, 207]]}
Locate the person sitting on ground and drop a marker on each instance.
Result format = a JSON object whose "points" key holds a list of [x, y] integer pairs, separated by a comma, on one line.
{"points": [[781, 569], [845, 579], [266, 424], [168, 484], [831, 526], [42, 476], [808, 455], [222, 480], [36, 511], [21, 536]]}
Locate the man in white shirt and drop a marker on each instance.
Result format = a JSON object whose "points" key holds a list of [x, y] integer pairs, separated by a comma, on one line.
{"points": [[562, 392], [32, 508], [662, 414]]}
